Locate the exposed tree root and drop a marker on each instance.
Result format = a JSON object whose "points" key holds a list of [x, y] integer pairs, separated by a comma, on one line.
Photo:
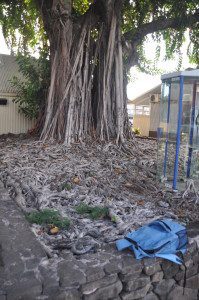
{"points": [[49, 175]]}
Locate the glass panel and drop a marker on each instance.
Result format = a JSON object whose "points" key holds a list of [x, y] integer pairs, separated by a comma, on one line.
{"points": [[174, 104], [185, 130], [194, 170], [186, 112], [196, 122], [164, 108], [170, 160], [189, 133], [160, 159], [193, 149], [172, 130], [162, 129]]}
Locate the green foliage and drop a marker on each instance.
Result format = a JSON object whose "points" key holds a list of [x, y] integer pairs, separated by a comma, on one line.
{"points": [[137, 13], [32, 87], [66, 186], [48, 217], [81, 6], [137, 131], [94, 212], [23, 25], [145, 65], [193, 49], [114, 219]]}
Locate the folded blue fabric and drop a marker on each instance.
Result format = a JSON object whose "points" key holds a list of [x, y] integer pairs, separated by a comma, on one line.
{"points": [[162, 238]]}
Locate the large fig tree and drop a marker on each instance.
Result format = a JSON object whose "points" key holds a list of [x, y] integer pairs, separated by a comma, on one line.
{"points": [[92, 45]]}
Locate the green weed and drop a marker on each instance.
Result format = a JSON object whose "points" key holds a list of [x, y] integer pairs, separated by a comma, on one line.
{"points": [[47, 217], [66, 186], [137, 131], [94, 212]]}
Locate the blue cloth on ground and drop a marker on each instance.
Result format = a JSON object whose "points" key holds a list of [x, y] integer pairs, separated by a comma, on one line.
{"points": [[162, 238]]}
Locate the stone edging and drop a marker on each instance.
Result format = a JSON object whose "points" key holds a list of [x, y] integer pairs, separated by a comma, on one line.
{"points": [[26, 272]]}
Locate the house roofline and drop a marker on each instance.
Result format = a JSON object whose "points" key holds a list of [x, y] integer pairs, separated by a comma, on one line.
{"points": [[143, 94]]}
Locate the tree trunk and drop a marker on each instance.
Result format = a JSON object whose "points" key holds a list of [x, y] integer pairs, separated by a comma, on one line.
{"points": [[87, 95]]}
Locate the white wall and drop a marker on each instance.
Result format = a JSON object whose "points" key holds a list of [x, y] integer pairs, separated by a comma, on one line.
{"points": [[11, 121]]}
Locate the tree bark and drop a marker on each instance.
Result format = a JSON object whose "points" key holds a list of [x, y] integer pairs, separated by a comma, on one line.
{"points": [[87, 96]]}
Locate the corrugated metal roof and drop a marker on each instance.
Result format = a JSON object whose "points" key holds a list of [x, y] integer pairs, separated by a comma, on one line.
{"points": [[143, 99], [8, 69]]}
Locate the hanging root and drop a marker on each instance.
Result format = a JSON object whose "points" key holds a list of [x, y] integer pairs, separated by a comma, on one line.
{"points": [[112, 103], [86, 95], [68, 115], [191, 187]]}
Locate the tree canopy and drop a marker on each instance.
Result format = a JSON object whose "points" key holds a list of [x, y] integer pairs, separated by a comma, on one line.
{"points": [[92, 44], [23, 28]]}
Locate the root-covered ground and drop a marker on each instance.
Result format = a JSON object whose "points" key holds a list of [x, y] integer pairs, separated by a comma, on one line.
{"points": [[120, 184]]}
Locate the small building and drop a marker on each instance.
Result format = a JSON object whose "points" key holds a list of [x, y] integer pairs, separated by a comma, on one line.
{"points": [[11, 121], [144, 111]]}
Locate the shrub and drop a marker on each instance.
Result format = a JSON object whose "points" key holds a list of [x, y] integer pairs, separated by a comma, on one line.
{"points": [[32, 89]]}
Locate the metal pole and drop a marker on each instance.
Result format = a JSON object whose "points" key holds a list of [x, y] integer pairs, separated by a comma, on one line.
{"points": [[193, 109], [175, 176], [167, 131]]}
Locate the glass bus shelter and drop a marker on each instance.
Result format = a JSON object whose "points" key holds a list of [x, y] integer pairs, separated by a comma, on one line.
{"points": [[178, 132]]}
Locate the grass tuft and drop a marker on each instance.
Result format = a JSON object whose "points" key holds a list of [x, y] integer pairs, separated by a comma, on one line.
{"points": [[66, 186], [94, 212], [48, 217]]}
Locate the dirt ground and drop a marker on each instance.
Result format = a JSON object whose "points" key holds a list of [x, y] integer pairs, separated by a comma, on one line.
{"points": [[102, 175]]}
